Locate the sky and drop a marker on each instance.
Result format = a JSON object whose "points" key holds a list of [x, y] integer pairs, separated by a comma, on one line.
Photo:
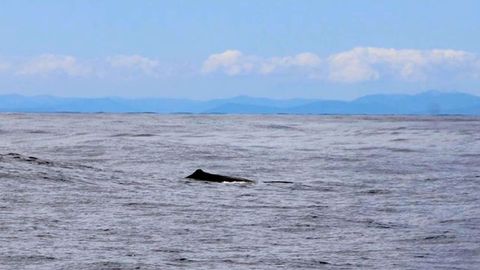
{"points": [[217, 49]]}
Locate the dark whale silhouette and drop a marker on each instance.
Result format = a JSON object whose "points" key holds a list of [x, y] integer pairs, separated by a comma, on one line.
{"points": [[217, 178]]}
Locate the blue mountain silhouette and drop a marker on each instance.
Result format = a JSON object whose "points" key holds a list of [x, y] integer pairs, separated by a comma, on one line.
{"points": [[430, 102]]}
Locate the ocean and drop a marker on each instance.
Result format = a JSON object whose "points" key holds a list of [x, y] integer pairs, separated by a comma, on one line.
{"points": [[108, 191]]}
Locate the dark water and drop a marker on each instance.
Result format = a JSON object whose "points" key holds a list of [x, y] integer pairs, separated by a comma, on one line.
{"points": [[107, 192]]}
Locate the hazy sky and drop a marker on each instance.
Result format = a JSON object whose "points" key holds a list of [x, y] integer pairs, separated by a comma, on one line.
{"points": [[206, 49]]}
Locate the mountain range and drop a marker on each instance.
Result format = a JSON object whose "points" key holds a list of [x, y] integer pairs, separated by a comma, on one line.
{"points": [[426, 103]]}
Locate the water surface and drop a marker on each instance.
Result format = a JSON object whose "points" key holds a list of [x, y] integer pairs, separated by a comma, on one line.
{"points": [[106, 191]]}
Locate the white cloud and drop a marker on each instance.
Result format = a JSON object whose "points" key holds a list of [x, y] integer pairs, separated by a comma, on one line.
{"points": [[302, 60], [114, 67], [366, 64], [234, 62], [356, 65], [51, 63], [134, 62], [360, 64], [350, 67]]}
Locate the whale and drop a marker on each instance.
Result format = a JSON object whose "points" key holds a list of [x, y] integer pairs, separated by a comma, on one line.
{"points": [[201, 175]]}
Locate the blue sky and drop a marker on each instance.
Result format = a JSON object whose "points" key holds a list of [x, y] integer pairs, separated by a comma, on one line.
{"points": [[209, 49]]}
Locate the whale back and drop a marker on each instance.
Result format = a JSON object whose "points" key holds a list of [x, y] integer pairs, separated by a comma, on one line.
{"points": [[210, 177], [197, 174]]}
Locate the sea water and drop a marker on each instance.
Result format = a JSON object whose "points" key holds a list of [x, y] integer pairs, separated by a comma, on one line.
{"points": [[107, 191]]}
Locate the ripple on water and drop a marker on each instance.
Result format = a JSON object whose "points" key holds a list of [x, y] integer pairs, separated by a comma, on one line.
{"points": [[332, 192]]}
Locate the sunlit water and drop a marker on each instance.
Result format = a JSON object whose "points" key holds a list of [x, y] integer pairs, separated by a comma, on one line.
{"points": [[103, 191]]}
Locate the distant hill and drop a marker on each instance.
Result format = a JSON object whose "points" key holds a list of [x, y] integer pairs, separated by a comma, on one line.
{"points": [[431, 102]]}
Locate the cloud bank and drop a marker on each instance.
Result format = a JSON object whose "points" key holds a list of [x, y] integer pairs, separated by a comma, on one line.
{"points": [[234, 62], [134, 62], [356, 65], [49, 63], [361, 64]]}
